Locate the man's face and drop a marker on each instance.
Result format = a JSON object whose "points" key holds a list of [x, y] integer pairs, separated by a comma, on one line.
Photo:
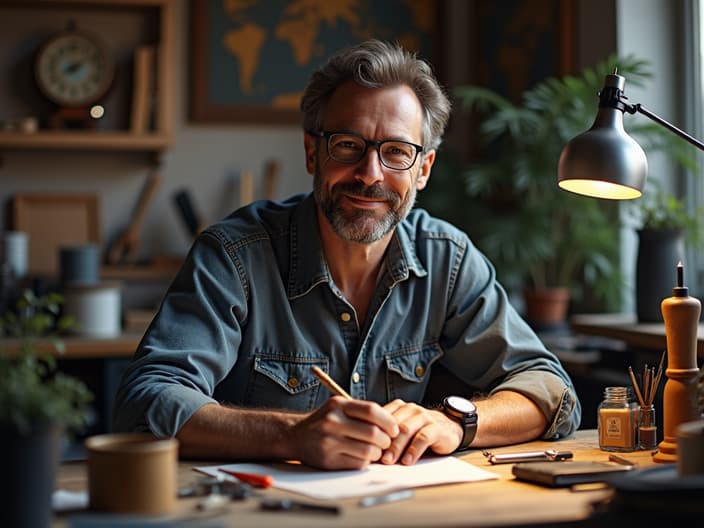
{"points": [[365, 201]]}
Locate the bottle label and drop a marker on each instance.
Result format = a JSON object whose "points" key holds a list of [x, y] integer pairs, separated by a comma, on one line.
{"points": [[617, 428], [614, 427]]}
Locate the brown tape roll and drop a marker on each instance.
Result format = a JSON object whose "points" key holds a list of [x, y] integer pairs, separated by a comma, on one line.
{"points": [[132, 473]]}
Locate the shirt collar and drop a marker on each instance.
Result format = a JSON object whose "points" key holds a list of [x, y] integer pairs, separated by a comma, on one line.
{"points": [[401, 257], [307, 267]]}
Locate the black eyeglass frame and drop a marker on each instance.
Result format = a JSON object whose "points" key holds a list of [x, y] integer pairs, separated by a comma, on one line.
{"points": [[367, 143]]}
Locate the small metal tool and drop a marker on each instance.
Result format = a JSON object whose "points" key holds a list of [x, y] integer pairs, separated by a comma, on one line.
{"points": [[292, 505], [394, 496], [549, 455], [216, 486]]}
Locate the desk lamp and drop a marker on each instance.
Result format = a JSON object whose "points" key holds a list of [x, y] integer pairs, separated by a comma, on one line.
{"points": [[605, 162]]}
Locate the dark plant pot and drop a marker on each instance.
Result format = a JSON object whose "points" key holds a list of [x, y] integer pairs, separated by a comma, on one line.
{"points": [[659, 251], [29, 466], [546, 309]]}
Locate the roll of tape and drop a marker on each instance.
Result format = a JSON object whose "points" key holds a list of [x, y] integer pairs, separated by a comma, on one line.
{"points": [[132, 473], [97, 308]]}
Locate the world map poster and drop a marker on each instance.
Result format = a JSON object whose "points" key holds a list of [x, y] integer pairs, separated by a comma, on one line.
{"points": [[251, 59]]}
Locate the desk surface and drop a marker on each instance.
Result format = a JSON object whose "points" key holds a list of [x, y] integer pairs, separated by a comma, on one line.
{"points": [[501, 502], [626, 328]]}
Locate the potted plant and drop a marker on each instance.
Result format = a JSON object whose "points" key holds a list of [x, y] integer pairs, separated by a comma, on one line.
{"points": [[664, 225], [37, 403], [540, 238]]}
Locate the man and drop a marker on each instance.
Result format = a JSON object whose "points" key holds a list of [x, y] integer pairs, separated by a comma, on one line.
{"points": [[392, 303]]}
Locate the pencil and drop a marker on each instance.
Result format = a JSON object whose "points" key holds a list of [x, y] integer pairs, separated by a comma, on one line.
{"points": [[659, 374], [635, 386], [330, 383]]}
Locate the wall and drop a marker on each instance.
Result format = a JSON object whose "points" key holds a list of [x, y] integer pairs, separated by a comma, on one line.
{"points": [[206, 159], [651, 30]]}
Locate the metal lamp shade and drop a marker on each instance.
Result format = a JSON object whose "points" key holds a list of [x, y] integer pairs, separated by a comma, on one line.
{"points": [[604, 161]]}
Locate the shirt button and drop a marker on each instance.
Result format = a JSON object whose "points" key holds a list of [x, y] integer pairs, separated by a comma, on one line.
{"points": [[292, 382], [355, 377], [345, 316], [419, 370]]}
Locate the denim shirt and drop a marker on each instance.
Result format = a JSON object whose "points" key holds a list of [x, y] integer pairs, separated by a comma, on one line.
{"points": [[254, 307]]}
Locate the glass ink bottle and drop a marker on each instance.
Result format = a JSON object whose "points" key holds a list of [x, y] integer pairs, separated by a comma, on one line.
{"points": [[617, 421]]}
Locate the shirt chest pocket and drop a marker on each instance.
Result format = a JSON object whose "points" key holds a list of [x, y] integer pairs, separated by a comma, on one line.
{"points": [[408, 372], [283, 382]]}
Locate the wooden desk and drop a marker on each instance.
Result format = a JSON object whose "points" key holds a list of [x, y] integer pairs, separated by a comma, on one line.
{"points": [[501, 502], [626, 328]]}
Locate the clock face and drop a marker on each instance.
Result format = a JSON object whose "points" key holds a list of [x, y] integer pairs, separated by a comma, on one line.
{"points": [[73, 69]]}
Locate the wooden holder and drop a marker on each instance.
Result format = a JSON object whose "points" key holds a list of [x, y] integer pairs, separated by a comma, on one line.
{"points": [[681, 315]]}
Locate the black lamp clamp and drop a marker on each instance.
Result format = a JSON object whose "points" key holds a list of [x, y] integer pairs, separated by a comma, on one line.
{"points": [[612, 96]]}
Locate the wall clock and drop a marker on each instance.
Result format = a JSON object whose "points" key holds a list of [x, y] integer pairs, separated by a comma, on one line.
{"points": [[73, 70]]}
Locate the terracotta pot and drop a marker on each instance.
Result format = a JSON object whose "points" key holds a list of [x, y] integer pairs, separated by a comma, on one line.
{"points": [[546, 308]]}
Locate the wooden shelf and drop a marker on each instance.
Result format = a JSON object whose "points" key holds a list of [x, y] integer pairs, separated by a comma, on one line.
{"points": [[159, 17], [166, 271], [84, 140], [625, 327], [77, 347]]}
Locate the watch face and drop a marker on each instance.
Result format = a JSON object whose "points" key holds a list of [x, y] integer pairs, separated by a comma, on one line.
{"points": [[73, 69], [460, 404]]}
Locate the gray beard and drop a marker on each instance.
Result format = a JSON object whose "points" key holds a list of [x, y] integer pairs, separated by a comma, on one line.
{"points": [[361, 226]]}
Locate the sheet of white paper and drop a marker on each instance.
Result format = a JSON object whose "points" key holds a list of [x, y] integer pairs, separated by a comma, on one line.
{"points": [[377, 478]]}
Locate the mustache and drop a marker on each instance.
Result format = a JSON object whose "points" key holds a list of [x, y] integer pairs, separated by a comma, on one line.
{"points": [[375, 191]]}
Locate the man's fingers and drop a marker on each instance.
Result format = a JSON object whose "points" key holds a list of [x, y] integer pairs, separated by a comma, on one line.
{"points": [[421, 430], [371, 413]]}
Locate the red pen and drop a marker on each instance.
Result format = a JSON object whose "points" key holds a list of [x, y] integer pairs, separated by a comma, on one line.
{"points": [[260, 481]]}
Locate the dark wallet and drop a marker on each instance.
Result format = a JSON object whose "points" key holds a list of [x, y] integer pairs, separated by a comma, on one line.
{"points": [[562, 474]]}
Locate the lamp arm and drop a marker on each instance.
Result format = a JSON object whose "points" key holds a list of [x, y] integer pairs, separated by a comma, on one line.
{"points": [[632, 109]]}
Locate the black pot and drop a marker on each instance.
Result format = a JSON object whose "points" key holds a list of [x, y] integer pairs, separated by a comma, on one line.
{"points": [[659, 251], [29, 463]]}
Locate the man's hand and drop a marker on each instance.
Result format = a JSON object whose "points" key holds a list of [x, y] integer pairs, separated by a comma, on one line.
{"points": [[345, 434], [349, 434], [421, 429]]}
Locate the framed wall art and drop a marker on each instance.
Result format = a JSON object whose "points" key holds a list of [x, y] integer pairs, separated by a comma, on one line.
{"points": [[52, 221], [250, 61], [521, 42]]}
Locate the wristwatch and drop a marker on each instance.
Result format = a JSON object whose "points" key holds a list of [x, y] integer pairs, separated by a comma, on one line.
{"points": [[464, 412]]}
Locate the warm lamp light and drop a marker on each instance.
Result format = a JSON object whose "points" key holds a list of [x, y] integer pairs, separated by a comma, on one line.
{"points": [[604, 161]]}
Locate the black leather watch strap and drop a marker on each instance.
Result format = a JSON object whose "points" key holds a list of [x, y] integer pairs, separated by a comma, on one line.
{"points": [[468, 421], [470, 431]]}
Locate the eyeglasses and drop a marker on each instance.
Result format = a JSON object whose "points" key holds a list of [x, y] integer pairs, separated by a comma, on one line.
{"points": [[346, 147]]}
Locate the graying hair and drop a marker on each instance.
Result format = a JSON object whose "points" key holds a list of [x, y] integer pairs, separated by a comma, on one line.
{"points": [[377, 64]]}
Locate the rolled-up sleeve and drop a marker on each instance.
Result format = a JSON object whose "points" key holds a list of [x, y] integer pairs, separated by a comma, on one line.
{"points": [[555, 398], [489, 346], [190, 346]]}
